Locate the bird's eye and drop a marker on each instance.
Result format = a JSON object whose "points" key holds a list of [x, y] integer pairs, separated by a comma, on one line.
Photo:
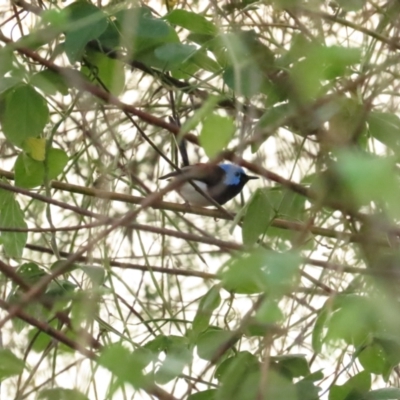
{"points": [[237, 174]]}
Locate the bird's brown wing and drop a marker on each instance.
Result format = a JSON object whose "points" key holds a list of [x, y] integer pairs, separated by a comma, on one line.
{"points": [[210, 174], [175, 173]]}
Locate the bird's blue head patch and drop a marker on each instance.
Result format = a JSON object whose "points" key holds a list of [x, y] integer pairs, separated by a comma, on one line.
{"points": [[234, 174]]}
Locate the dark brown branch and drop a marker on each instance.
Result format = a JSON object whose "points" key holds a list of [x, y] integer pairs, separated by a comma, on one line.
{"points": [[45, 327], [205, 275], [168, 206], [10, 272], [139, 267]]}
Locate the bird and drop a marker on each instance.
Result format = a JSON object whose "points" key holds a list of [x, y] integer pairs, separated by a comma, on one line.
{"points": [[221, 182]]}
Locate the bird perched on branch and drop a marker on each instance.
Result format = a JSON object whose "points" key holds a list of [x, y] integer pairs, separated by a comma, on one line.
{"points": [[220, 182], [204, 181]]}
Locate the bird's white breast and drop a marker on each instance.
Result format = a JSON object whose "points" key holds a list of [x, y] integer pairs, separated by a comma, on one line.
{"points": [[189, 193]]}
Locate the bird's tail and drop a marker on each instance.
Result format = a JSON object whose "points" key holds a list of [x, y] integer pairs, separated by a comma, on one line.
{"points": [[182, 146]]}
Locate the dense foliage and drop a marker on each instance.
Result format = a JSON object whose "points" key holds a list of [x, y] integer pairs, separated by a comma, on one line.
{"points": [[112, 288]]}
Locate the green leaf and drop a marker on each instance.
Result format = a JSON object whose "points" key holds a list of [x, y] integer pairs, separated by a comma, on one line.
{"points": [[270, 118], [55, 17], [257, 51], [391, 347], [96, 274], [18, 324], [11, 216], [269, 312], [256, 328], [361, 172], [315, 376], [60, 264], [244, 274], [291, 205], [337, 59], [279, 203], [110, 72], [142, 34], [174, 54], [202, 40], [383, 394], [111, 38], [186, 70], [351, 5], [6, 60], [203, 61], [242, 358], [348, 120], [357, 386], [259, 215], [349, 317], [7, 83], [178, 355], [360, 381], [39, 340], [260, 271], [126, 366], [241, 381], [306, 76], [10, 364], [385, 127], [246, 78], [158, 344], [292, 365], [318, 63], [208, 303], [239, 378], [200, 114], [210, 341], [307, 390], [352, 321], [61, 394], [191, 21], [216, 133], [86, 22], [29, 173], [50, 82], [142, 23], [245, 48], [83, 309], [204, 395], [36, 310], [31, 273], [247, 61], [373, 359], [339, 392], [318, 331], [24, 101], [36, 148], [60, 289], [57, 159]]}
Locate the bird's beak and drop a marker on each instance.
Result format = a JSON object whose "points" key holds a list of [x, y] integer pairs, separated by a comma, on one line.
{"points": [[252, 177]]}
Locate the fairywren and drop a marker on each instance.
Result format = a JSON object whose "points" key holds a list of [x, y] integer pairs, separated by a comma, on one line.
{"points": [[221, 182]]}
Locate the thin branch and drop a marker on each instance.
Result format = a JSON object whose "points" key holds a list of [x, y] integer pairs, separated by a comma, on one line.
{"points": [[184, 208], [11, 273]]}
